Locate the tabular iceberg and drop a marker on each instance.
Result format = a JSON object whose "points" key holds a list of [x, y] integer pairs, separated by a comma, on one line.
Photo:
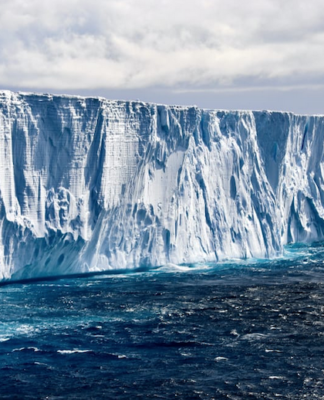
{"points": [[91, 184]]}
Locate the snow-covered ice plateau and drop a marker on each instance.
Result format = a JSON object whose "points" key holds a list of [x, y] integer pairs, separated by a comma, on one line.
{"points": [[89, 184]]}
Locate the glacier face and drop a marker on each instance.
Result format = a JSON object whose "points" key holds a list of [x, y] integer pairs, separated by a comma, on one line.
{"points": [[90, 184]]}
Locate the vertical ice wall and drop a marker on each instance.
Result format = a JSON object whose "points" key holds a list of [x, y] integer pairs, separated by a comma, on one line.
{"points": [[88, 184]]}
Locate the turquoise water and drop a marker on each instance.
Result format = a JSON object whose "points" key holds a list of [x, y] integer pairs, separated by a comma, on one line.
{"points": [[243, 330]]}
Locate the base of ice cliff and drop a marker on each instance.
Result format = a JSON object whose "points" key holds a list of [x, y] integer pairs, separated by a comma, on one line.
{"points": [[91, 184]]}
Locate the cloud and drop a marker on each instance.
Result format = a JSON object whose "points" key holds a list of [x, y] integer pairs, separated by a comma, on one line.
{"points": [[123, 44]]}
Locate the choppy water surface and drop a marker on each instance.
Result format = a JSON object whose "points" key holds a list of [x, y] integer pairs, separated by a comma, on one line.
{"points": [[232, 331]]}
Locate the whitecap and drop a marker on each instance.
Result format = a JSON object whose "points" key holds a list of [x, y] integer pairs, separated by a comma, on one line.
{"points": [[173, 268], [73, 351], [183, 268], [254, 336], [25, 329], [35, 349]]}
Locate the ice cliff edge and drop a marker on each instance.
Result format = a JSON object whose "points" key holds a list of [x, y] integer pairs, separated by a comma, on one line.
{"points": [[92, 184]]}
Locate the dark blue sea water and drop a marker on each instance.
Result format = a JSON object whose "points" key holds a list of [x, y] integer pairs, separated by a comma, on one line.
{"points": [[249, 330]]}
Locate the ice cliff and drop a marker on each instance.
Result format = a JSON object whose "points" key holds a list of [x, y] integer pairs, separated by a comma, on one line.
{"points": [[91, 184]]}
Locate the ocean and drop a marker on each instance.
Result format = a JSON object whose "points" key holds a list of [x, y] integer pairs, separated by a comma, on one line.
{"points": [[249, 329]]}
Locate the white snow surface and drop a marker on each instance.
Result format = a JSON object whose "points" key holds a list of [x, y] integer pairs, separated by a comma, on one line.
{"points": [[89, 184]]}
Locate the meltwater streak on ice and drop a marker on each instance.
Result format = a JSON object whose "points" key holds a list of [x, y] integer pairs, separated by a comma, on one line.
{"points": [[88, 184]]}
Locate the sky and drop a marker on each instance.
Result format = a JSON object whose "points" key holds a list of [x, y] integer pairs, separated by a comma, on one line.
{"points": [[224, 54]]}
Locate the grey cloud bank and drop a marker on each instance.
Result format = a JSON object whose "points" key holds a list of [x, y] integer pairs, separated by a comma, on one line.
{"points": [[256, 54]]}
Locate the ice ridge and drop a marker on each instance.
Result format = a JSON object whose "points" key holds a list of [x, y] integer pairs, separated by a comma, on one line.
{"points": [[92, 184]]}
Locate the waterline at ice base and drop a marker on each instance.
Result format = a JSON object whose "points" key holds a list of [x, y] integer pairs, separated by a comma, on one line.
{"points": [[89, 184]]}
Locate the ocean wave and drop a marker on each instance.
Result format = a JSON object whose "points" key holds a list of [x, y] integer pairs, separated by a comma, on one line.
{"points": [[74, 351]]}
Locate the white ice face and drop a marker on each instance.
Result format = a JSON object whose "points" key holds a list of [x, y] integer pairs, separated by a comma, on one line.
{"points": [[89, 184]]}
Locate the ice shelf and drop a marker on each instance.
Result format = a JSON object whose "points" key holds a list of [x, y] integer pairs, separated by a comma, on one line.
{"points": [[89, 184]]}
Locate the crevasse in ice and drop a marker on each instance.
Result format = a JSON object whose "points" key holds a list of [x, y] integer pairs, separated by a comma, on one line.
{"points": [[92, 184]]}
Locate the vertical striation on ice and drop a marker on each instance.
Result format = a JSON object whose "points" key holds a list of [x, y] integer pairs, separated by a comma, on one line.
{"points": [[91, 184]]}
